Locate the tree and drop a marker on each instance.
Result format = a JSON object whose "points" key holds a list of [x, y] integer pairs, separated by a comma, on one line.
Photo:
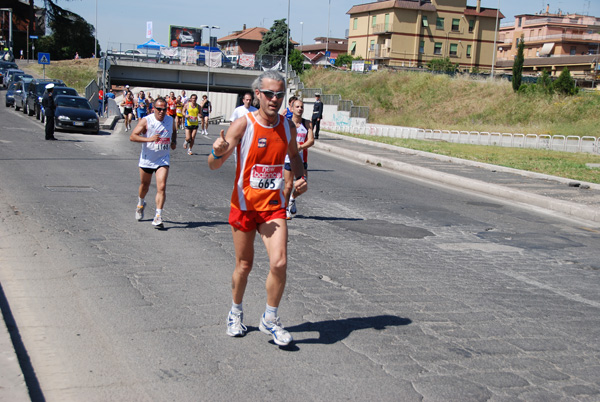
{"points": [[518, 66], [344, 60], [297, 61], [443, 65], [565, 84], [70, 34], [544, 83], [274, 41]]}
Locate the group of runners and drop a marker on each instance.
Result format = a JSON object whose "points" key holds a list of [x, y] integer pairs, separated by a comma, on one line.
{"points": [[187, 116], [270, 169]]}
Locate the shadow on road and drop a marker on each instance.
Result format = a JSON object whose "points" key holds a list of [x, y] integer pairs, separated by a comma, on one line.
{"points": [[333, 331]]}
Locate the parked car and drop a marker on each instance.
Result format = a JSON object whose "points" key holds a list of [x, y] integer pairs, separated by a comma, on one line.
{"points": [[74, 113], [21, 88], [57, 91], [10, 95], [8, 76], [132, 54], [5, 65], [35, 94], [20, 77]]}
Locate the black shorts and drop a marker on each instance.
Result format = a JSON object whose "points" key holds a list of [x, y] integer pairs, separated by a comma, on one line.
{"points": [[288, 167], [127, 110], [151, 170]]}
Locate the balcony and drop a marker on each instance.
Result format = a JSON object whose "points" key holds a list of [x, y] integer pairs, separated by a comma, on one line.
{"points": [[384, 28], [564, 38], [581, 22]]}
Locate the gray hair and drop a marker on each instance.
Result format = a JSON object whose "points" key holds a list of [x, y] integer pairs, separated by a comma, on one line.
{"points": [[270, 75]]}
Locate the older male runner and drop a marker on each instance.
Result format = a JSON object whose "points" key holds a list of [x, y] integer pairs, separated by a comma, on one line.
{"points": [[243, 109], [158, 133], [262, 139]]}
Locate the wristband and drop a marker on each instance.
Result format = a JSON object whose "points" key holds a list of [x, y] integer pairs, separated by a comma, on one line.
{"points": [[302, 177], [215, 156]]}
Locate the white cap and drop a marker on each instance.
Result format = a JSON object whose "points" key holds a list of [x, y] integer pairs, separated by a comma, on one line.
{"points": [[317, 94], [49, 86], [126, 86]]}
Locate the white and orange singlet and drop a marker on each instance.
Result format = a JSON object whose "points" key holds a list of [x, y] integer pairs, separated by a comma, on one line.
{"points": [[259, 180]]}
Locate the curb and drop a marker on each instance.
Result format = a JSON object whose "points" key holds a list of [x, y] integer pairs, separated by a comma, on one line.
{"points": [[565, 207]]}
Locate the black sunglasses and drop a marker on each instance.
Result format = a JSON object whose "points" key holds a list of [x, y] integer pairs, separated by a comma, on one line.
{"points": [[270, 94], [160, 109]]}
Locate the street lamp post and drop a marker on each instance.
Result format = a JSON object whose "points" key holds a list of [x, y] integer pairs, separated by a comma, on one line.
{"points": [[96, 33], [302, 34], [327, 43], [495, 39], [287, 53], [210, 27]]}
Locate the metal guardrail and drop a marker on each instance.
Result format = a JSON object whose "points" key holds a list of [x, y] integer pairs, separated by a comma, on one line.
{"points": [[571, 143]]}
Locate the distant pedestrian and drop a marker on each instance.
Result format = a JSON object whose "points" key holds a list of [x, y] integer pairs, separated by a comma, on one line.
{"points": [[100, 102], [288, 111], [76, 56], [317, 115], [128, 104], [158, 136], [21, 53], [245, 108], [49, 111], [206, 109]]}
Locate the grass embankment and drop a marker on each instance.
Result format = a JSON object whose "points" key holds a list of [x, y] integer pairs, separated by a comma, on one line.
{"points": [[75, 73], [440, 102]]}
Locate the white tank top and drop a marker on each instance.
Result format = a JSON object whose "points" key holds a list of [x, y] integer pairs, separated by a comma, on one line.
{"points": [[301, 134], [156, 154]]}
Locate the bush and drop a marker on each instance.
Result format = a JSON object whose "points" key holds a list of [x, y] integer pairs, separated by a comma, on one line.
{"points": [[565, 84], [443, 65]]}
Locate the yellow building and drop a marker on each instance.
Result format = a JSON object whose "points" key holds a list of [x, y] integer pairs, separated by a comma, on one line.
{"points": [[410, 33]]}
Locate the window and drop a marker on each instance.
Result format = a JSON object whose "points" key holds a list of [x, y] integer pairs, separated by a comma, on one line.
{"points": [[468, 50], [372, 44], [353, 48], [439, 23], [471, 25], [453, 49], [355, 26], [573, 51], [455, 24], [374, 21], [424, 21], [387, 22], [437, 48], [422, 47], [520, 21]]}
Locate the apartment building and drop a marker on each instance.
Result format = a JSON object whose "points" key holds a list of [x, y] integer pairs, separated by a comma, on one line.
{"points": [[410, 33], [548, 35]]}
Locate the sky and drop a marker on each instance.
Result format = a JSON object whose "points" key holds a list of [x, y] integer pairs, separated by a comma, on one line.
{"points": [[124, 21]]}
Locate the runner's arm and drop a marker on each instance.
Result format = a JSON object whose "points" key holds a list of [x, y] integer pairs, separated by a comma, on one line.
{"points": [[224, 145], [310, 136]]}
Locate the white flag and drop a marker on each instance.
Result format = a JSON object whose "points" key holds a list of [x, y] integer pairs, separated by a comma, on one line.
{"points": [[149, 29], [212, 59]]}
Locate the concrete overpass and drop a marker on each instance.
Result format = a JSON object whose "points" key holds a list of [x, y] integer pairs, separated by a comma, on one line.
{"points": [[178, 76]]}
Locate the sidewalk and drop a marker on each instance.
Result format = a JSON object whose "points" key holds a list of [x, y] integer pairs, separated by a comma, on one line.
{"points": [[561, 196]]}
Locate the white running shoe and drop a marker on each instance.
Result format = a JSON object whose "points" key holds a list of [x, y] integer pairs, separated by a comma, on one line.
{"points": [[288, 214], [280, 336], [205, 133], [157, 222], [292, 206], [190, 152], [235, 327], [185, 144], [139, 213]]}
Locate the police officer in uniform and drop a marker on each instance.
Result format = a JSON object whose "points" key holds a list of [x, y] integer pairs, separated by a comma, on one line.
{"points": [[49, 109]]}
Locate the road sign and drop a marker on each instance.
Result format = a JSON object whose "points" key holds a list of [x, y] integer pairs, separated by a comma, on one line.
{"points": [[33, 37], [328, 54], [43, 58]]}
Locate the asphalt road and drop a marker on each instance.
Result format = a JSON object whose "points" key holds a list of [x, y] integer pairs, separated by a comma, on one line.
{"points": [[398, 289]]}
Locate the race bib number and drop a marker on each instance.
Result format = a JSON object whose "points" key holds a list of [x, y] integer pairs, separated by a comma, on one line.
{"points": [[192, 119], [162, 144], [267, 177]]}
